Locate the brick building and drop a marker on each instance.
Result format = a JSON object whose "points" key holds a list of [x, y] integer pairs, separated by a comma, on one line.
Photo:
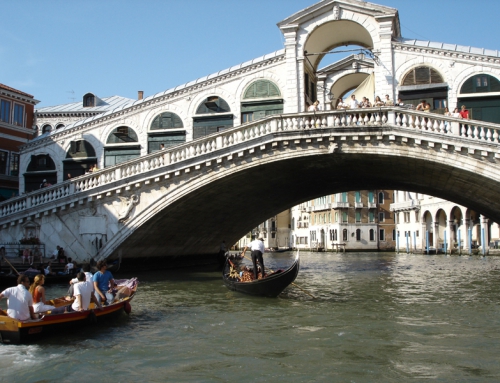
{"points": [[16, 129]]}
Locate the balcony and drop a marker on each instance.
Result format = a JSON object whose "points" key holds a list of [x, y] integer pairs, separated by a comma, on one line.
{"points": [[405, 205], [358, 205], [372, 205], [339, 205]]}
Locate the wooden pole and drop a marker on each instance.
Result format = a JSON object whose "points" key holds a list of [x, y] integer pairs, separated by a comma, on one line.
{"points": [[12, 266]]}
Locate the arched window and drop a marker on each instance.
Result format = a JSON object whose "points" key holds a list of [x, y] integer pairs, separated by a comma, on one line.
{"points": [[122, 134], [79, 159], [125, 146], [262, 98], [422, 75], [213, 115], [481, 83], [381, 198], [40, 168], [358, 234], [167, 120], [59, 126], [261, 89], [213, 104], [345, 236], [46, 128], [372, 235]]}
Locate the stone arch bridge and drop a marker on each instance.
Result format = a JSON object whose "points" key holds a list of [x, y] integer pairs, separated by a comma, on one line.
{"points": [[177, 205]]}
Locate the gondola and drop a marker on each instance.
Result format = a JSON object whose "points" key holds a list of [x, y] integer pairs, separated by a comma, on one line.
{"points": [[13, 331], [271, 286]]}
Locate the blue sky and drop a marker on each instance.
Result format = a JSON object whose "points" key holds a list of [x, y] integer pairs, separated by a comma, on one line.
{"points": [[58, 50]]}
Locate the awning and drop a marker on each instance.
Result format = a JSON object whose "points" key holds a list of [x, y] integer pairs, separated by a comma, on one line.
{"points": [[366, 89]]}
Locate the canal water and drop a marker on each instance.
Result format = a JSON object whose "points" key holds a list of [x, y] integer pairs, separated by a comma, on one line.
{"points": [[376, 317]]}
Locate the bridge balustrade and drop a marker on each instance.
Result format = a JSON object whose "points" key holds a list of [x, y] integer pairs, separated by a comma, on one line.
{"points": [[475, 131]]}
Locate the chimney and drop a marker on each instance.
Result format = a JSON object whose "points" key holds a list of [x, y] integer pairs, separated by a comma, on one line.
{"points": [[140, 95]]}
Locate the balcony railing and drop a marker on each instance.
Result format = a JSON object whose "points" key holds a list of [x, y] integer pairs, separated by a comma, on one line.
{"points": [[474, 131]]}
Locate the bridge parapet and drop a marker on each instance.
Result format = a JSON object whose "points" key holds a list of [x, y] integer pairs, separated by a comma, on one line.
{"points": [[476, 135]]}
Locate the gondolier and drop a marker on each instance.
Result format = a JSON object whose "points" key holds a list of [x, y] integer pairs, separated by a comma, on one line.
{"points": [[257, 249]]}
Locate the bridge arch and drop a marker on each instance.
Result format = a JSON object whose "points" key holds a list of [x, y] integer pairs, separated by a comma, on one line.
{"points": [[41, 166], [80, 156], [325, 35]]}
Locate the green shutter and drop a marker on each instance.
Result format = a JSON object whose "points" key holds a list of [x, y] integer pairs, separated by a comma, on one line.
{"points": [[262, 89]]}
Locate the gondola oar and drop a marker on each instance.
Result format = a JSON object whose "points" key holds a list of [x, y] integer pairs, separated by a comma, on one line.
{"points": [[293, 283], [11, 265]]}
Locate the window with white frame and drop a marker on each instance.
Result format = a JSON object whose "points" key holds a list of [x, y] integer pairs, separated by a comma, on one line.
{"points": [[18, 115], [5, 111], [381, 216], [381, 235], [381, 198]]}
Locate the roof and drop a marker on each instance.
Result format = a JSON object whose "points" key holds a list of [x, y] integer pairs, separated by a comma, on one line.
{"points": [[450, 47], [5, 87], [108, 103]]}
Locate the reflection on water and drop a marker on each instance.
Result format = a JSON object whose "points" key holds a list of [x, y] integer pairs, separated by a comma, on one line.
{"points": [[376, 318]]}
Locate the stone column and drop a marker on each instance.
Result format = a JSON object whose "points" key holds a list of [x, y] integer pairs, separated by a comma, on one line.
{"points": [[423, 239], [435, 237], [294, 71], [451, 228], [484, 226]]}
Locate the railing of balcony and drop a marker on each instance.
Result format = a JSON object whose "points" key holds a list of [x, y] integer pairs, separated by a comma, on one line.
{"points": [[475, 131]]}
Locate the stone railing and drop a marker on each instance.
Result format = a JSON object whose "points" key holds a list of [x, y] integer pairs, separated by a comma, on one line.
{"points": [[476, 131]]}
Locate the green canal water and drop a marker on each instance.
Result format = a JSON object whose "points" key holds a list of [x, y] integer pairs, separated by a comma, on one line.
{"points": [[377, 317]]}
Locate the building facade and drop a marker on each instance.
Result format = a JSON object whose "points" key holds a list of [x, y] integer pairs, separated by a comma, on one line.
{"points": [[426, 223], [16, 129], [352, 221]]}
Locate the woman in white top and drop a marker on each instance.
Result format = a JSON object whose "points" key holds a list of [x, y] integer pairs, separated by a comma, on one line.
{"points": [[456, 113], [378, 102], [341, 104], [314, 107]]}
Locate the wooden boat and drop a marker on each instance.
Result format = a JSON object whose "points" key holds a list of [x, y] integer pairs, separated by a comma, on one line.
{"points": [[13, 331], [271, 286]]}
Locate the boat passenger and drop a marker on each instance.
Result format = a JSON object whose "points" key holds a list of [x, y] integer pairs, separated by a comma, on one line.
{"points": [[38, 292], [19, 300], [103, 283], [88, 277], [84, 294], [246, 274]]}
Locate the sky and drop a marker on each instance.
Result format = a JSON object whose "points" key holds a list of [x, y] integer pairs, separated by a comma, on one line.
{"points": [[58, 50]]}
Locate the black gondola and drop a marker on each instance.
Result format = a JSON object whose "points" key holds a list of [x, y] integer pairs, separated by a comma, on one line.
{"points": [[271, 286]]}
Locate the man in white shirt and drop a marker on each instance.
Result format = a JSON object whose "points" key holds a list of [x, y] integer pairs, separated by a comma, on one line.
{"points": [[353, 103], [20, 301], [257, 249], [84, 294]]}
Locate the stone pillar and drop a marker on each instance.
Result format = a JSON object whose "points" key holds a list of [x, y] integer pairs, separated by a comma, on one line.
{"points": [[485, 227], [423, 239], [384, 68], [435, 237], [294, 85], [451, 228]]}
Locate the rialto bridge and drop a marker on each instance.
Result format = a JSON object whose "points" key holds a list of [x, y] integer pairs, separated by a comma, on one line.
{"points": [[239, 147], [182, 201]]}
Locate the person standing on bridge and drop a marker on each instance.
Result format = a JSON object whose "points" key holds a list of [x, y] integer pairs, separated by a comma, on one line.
{"points": [[257, 249], [464, 113]]}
